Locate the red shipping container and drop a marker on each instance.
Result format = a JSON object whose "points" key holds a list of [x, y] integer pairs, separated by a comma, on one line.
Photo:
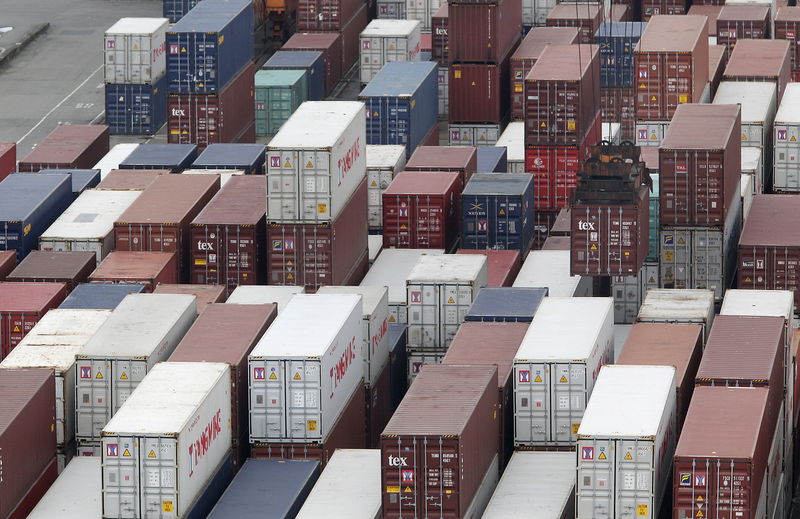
{"points": [[709, 11], [442, 452], [159, 219], [461, 159], [739, 22], [717, 59], [440, 45], [620, 13], [484, 32], [320, 254], [70, 268], [8, 158], [426, 43], [469, 82], [503, 265], [610, 239], [351, 42], [21, 307], [8, 260], [556, 243], [787, 27], [618, 105], [228, 333], [523, 59], [325, 15], [586, 17], [562, 93], [133, 179], [761, 60], [36, 492], [420, 210], [330, 44], [670, 65], [71, 146], [147, 268], [205, 294], [654, 7], [700, 165]]}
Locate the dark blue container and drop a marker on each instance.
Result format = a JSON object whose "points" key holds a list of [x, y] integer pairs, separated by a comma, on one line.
{"points": [[174, 157], [29, 204], [492, 159], [134, 109], [398, 363], [82, 179], [177, 9], [99, 296], [402, 103], [506, 305], [497, 212], [247, 157], [617, 40], [268, 489], [209, 46], [312, 61], [213, 490]]}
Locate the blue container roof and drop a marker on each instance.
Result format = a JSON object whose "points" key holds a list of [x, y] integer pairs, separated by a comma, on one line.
{"points": [[81, 178], [99, 296], [399, 78], [396, 331], [292, 58], [211, 15], [489, 156], [514, 184], [621, 29], [506, 304], [22, 193], [166, 154], [231, 154]]}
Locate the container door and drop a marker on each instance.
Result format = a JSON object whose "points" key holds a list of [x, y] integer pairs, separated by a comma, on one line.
{"points": [[317, 247], [121, 478], [706, 261], [635, 488], [531, 404], [441, 462], [208, 254], [239, 247], [402, 477], [596, 479], [374, 191], [284, 198], [129, 237], [315, 185], [279, 103], [267, 419], [164, 238], [126, 374], [456, 300], [568, 400], [423, 316], [304, 420], [93, 396], [262, 111], [675, 263], [157, 458], [787, 157]]}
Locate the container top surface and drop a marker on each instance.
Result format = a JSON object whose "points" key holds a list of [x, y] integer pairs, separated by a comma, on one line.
{"points": [[513, 138], [744, 13], [563, 63], [392, 268], [574, 11], [130, 179], [47, 264], [22, 193], [380, 27], [167, 399], [742, 348], [99, 296], [788, 14], [423, 183], [278, 77], [701, 126], [757, 99], [771, 222], [350, 485], [671, 303], [317, 124], [539, 37], [488, 156], [487, 344], [751, 159], [442, 12], [311, 40], [519, 302], [463, 268], [789, 109], [154, 154], [716, 56], [137, 26], [628, 401], [777, 303], [672, 33], [243, 200], [230, 154], [662, 344], [211, 17], [259, 295], [294, 58], [442, 156], [550, 269], [27, 297], [65, 142], [76, 493], [625, 30], [371, 296], [168, 199], [374, 244], [399, 78], [759, 58], [205, 294], [501, 184], [114, 156], [124, 264], [17, 387], [383, 156]]}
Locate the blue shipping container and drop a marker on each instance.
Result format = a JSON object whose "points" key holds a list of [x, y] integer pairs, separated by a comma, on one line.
{"points": [[177, 9], [617, 40], [247, 157], [398, 363], [268, 489], [213, 490], [135, 109], [209, 46], [497, 212], [174, 157], [492, 159], [312, 61], [29, 204], [99, 296], [506, 305], [402, 103], [82, 179]]}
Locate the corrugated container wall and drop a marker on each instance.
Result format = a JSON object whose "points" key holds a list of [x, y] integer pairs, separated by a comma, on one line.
{"points": [[739, 22], [463, 159], [761, 61], [8, 158], [135, 50], [617, 41], [330, 44], [312, 62], [786, 155], [585, 17], [138, 268], [383, 164], [786, 28], [384, 41], [483, 32], [684, 306], [172, 157], [497, 212], [21, 307], [135, 108], [70, 146], [8, 260], [278, 93]]}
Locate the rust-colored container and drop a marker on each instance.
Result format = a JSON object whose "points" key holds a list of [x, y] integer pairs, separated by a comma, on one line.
{"points": [[739, 22], [503, 265], [585, 17], [379, 407], [709, 11], [440, 44], [71, 146], [148, 268], [205, 294], [700, 165], [227, 237], [36, 491], [351, 43], [420, 210], [717, 60], [677, 345], [618, 105], [787, 27], [620, 13], [8, 158], [27, 433], [484, 32], [492, 344], [432, 138], [440, 442], [130, 179], [654, 7], [8, 260], [761, 60], [670, 65], [326, 254], [562, 93], [159, 219], [461, 159], [524, 58], [325, 15], [227, 333], [557, 243], [70, 268], [562, 226], [487, 82], [205, 119], [21, 307], [330, 44]]}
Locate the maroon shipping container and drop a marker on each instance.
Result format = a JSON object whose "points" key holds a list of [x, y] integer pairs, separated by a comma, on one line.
{"points": [[420, 210], [661, 344], [27, 433], [130, 179], [21, 307], [610, 239], [761, 60], [379, 407], [562, 93], [503, 265], [320, 254], [227, 237], [557, 243], [432, 138], [71, 146], [36, 492], [670, 65], [722, 454], [484, 32], [461, 159], [700, 165], [562, 226], [330, 44], [739, 22], [8, 158], [148, 268], [471, 81], [787, 27], [492, 344], [618, 105], [205, 294], [440, 45], [8, 260], [228, 333], [717, 59], [709, 11], [351, 38], [325, 15], [620, 13], [586, 17], [524, 58], [158, 220], [70, 268], [440, 442]]}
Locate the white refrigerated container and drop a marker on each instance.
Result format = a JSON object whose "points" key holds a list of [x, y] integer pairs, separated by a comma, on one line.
{"points": [[550, 269], [264, 294], [383, 41], [76, 493], [673, 305], [224, 174], [786, 141], [422, 10], [758, 102], [753, 166], [513, 138], [135, 50], [383, 163], [114, 157]]}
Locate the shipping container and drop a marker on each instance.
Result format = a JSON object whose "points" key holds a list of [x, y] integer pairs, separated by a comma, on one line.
{"points": [[585, 17], [385, 41], [497, 212], [483, 32], [787, 150], [617, 41], [174, 10], [135, 51], [186, 441], [628, 431], [112, 159], [684, 306], [650, 133], [486, 81], [383, 163], [422, 10], [137, 268], [391, 10], [75, 494], [173, 157], [758, 106], [205, 294], [247, 158], [71, 146], [278, 93], [503, 265], [717, 59], [550, 269], [330, 44], [22, 305], [8, 158], [654, 7], [129, 179], [443, 94], [462, 159], [739, 22], [69, 268], [491, 159], [82, 179], [263, 294], [513, 139], [349, 487], [558, 361], [440, 41], [786, 28], [224, 175], [312, 62], [761, 61], [8, 260], [753, 170], [506, 305], [375, 245], [534, 13], [628, 291], [328, 15], [469, 134], [99, 296], [143, 330]]}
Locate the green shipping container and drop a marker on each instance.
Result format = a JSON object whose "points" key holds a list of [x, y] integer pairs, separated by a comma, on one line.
{"points": [[652, 252], [278, 94]]}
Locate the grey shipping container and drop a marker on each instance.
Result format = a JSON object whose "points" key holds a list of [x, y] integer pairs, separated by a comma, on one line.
{"points": [[238, 156], [174, 157], [99, 296], [506, 304]]}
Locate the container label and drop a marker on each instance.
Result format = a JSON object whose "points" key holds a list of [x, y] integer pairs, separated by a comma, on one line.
{"points": [[346, 163], [208, 434], [587, 453], [346, 359], [274, 162], [685, 479]]}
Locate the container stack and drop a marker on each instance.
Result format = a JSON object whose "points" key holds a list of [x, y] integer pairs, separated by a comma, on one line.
{"points": [[740, 22], [655, 7], [440, 53], [787, 27], [585, 17], [383, 164], [383, 41], [786, 153], [278, 93], [312, 62]]}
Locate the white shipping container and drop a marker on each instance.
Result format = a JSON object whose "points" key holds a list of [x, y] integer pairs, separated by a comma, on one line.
{"points": [[348, 488], [513, 138], [556, 367], [650, 133], [316, 161], [753, 166], [114, 157], [422, 10], [391, 269], [462, 134], [444, 96], [375, 244], [787, 141], [417, 359], [550, 269], [167, 441], [440, 290], [628, 292], [75, 494], [684, 306], [135, 50], [543, 482], [534, 12], [626, 442], [224, 174], [88, 224], [383, 163], [393, 10], [758, 102], [746, 189], [143, 330], [301, 371], [611, 132], [383, 41], [264, 294]]}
